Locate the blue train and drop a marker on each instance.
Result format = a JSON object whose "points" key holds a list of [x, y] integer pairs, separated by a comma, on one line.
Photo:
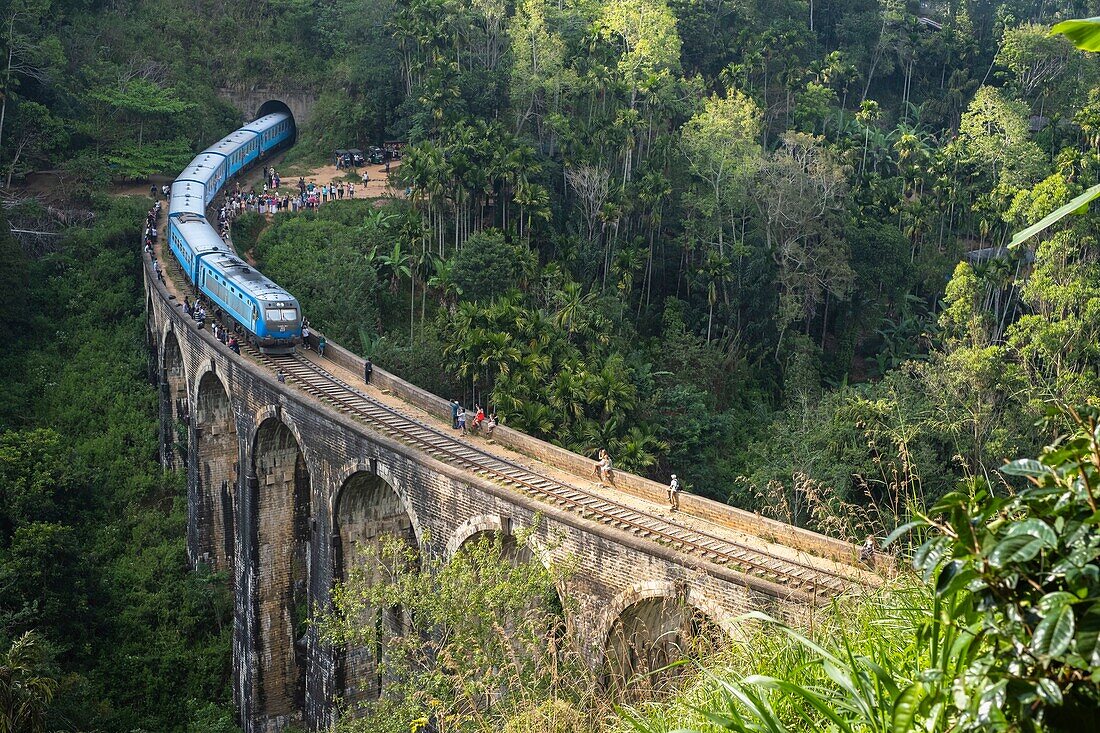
{"points": [[270, 314]]}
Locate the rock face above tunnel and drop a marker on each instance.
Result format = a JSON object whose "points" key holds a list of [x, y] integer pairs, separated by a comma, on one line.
{"points": [[254, 103]]}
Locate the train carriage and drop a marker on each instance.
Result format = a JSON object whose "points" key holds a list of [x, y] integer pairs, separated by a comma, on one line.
{"points": [[209, 170], [273, 130], [270, 314], [238, 149], [187, 197], [190, 239]]}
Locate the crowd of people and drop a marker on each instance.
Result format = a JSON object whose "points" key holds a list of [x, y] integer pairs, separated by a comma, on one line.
{"points": [[479, 422], [272, 199], [149, 235], [197, 311]]}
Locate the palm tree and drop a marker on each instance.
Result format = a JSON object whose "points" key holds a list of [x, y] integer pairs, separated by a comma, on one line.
{"points": [[640, 448], [595, 434], [498, 353], [573, 300], [609, 389], [567, 392], [25, 693], [533, 418], [442, 280]]}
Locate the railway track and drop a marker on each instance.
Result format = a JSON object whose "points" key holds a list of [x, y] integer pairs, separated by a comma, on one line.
{"points": [[389, 421]]}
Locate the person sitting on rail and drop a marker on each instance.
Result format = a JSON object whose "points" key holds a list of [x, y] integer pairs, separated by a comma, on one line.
{"points": [[479, 416], [491, 424]]}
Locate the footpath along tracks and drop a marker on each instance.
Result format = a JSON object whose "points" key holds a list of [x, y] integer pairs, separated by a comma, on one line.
{"points": [[348, 399]]}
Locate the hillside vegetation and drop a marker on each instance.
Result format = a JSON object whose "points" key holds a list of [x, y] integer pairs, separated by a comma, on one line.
{"points": [[758, 244]]}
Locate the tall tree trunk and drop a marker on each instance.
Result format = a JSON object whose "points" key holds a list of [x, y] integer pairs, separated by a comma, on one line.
{"points": [[7, 78]]}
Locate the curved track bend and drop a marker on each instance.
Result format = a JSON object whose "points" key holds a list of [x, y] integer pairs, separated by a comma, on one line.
{"points": [[330, 389]]}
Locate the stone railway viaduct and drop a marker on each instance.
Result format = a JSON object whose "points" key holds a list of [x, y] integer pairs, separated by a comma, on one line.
{"points": [[281, 488]]}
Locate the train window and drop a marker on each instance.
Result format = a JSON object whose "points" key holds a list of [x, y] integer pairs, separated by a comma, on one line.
{"points": [[287, 315]]}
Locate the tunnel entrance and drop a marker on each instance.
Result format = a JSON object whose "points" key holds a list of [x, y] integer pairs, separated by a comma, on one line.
{"points": [[274, 106]]}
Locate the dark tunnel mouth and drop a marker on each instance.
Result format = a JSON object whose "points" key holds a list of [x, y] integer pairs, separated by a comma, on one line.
{"points": [[274, 106]]}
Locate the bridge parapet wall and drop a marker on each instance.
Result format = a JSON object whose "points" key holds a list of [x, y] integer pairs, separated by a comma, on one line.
{"points": [[739, 519]]}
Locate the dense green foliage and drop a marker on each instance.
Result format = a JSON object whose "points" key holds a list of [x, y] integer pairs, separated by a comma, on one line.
{"points": [[1001, 634], [701, 248], [717, 239], [484, 644], [92, 532], [635, 223]]}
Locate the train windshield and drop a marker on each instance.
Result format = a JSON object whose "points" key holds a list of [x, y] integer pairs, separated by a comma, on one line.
{"points": [[282, 315]]}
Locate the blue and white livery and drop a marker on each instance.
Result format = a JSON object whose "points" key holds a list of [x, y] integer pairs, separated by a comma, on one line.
{"points": [[270, 314]]}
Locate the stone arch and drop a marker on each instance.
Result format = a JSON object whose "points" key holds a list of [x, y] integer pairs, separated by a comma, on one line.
{"points": [[276, 412], [476, 525], [280, 482], [649, 626], [387, 474], [487, 527], [217, 468], [175, 405], [367, 509]]}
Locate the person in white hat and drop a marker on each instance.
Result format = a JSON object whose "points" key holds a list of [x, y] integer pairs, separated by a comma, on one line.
{"points": [[674, 493]]}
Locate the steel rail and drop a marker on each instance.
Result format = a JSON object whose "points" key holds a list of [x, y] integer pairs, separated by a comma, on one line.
{"points": [[327, 387]]}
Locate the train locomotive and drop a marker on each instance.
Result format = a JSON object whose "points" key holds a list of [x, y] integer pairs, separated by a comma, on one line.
{"points": [[269, 314]]}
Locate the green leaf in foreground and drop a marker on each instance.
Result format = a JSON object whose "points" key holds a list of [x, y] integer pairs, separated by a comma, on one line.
{"points": [[1076, 205], [1083, 32]]}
